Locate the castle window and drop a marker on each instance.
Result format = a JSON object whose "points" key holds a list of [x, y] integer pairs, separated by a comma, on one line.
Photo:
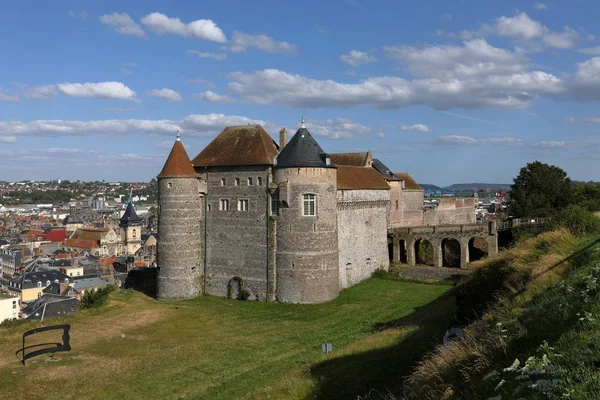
{"points": [[223, 181], [309, 205], [259, 181], [223, 204], [237, 181], [134, 233], [396, 204], [249, 181], [275, 203], [243, 205], [208, 207], [169, 184]]}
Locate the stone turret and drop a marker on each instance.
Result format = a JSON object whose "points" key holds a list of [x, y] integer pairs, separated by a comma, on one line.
{"points": [[180, 228], [307, 248]]}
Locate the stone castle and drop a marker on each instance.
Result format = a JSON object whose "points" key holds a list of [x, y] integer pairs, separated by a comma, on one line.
{"points": [[284, 222]]}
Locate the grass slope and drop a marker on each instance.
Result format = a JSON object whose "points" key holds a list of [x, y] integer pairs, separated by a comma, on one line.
{"points": [[215, 348]]}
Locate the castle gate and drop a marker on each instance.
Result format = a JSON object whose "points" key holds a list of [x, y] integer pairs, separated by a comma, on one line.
{"points": [[448, 242]]}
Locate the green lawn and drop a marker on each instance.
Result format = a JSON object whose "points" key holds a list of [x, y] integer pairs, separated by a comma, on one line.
{"points": [[215, 348]]}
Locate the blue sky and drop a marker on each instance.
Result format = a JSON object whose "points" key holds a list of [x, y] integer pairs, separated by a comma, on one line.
{"points": [[447, 91]]}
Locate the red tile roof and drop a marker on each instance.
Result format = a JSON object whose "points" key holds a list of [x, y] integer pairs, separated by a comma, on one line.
{"points": [[409, 182], [178, 164], [238, 145], [355, 178], [353, 159], [80, 243]]}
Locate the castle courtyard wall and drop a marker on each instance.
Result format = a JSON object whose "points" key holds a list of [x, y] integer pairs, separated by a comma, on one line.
{"points": [[362, 234]]}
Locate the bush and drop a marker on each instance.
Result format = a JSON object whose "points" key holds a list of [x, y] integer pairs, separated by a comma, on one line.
{"points": [[97, 298], [577, 220], [11, 323], [243, 295]]}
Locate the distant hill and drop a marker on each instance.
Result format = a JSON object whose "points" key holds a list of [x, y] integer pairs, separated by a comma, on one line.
{"points": [[466, 186]]}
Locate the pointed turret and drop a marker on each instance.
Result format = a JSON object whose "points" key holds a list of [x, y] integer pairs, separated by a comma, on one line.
{"points": [[302, 151], [178, 164], [130, 217]]}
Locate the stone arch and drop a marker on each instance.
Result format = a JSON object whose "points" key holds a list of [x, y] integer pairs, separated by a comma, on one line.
{"points": [[424, 253], [478, 248], [451, 253], [402, 253], [235, 287]]}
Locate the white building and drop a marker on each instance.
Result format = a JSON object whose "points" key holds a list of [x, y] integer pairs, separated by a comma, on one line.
{"points": [[9, 307]]}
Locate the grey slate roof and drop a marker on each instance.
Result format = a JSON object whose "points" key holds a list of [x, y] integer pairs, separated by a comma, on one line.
{"points": [[130, 217], [385, 171], [302, 151], [72, 219], [30, 279], [55, 306], [89, 282]]}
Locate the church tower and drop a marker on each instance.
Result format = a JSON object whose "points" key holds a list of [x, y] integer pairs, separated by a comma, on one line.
{"points": [[180, 226], [131, 229], [307, 247]]}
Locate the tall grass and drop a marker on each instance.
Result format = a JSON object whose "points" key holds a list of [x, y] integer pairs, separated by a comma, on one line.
{"points": [[492, 305]]}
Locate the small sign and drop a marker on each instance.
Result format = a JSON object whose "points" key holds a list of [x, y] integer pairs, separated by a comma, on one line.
{"points": [[327, 348]]}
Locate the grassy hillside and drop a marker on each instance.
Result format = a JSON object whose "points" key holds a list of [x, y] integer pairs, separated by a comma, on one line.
{"points": [[532, 318], [215, 348]]}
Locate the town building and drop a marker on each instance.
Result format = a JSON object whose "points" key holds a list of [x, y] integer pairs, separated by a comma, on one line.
{"points": [[9, 307]]}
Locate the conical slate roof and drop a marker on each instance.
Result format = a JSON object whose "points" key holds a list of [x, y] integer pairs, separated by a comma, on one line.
{"points": [[302, 151], [130, 217], [178, 164]]}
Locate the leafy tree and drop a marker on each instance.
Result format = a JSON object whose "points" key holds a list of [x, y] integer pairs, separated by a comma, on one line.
{"points": [[540, 190], [578, 220]]}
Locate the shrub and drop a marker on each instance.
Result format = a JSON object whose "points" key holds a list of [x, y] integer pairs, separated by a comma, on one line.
{"points": [[243, 295], [11, 323], [97, 298], [577, 220]]}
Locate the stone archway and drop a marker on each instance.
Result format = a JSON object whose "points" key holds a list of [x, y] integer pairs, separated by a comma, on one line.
{"points": [[235, 287], [478, 248], [451, 253], [424, 252]]}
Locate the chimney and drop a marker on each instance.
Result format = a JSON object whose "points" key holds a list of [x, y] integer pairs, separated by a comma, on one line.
{"points": [[282, 138]]}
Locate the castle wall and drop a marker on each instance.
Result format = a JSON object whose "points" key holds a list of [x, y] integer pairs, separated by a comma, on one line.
{"points": [[452, 211], [236, 240], [396, 203], [362, 234], [307, 246], [412, 203], [179, 248]]}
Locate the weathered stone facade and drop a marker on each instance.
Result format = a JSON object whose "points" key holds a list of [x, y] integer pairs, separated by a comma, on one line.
{"points": [[307, 246], [362, 234]]}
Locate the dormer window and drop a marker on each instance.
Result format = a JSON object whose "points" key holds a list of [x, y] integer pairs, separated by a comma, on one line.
{"points": [[39, 284], [48, 283]]}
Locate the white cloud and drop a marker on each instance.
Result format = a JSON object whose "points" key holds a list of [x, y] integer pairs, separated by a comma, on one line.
{"points": [[415, 128], [591, 50], [455, 139], [241, 42], [273, 86], [204, 29], [8, 139], [193, 125], [446, 17], [554, 144], [82, 15], [8, 97], [320, 29], [586, 84], [165, 94], [467, 140], [212, 97], [104, 90], [357, 58], [202, 54], [123, 24], [40, 92], [339, 128], [540, 6]]}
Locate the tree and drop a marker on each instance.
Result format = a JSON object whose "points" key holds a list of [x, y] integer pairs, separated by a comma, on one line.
{"points": [[540, 190]]}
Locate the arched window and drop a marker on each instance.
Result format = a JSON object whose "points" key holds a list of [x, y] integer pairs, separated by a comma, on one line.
{"points": [[309, 205]]}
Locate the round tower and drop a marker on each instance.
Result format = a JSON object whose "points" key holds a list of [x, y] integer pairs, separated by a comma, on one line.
{"points": [[180, 212], [307, 238]]}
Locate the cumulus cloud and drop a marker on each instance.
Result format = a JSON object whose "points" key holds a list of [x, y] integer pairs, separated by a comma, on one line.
{"points": [[212, 97], [8, 139], [273, 86], [82, 15], [165, 94], [591, 50], [415, 128], [241, 42], [104, 90], [193, 125], [586, 84], [540, 6], [8, 97], [204, 29], [339, 128], [122, 23], [40, 92], [202, 54], [357, 58]]}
